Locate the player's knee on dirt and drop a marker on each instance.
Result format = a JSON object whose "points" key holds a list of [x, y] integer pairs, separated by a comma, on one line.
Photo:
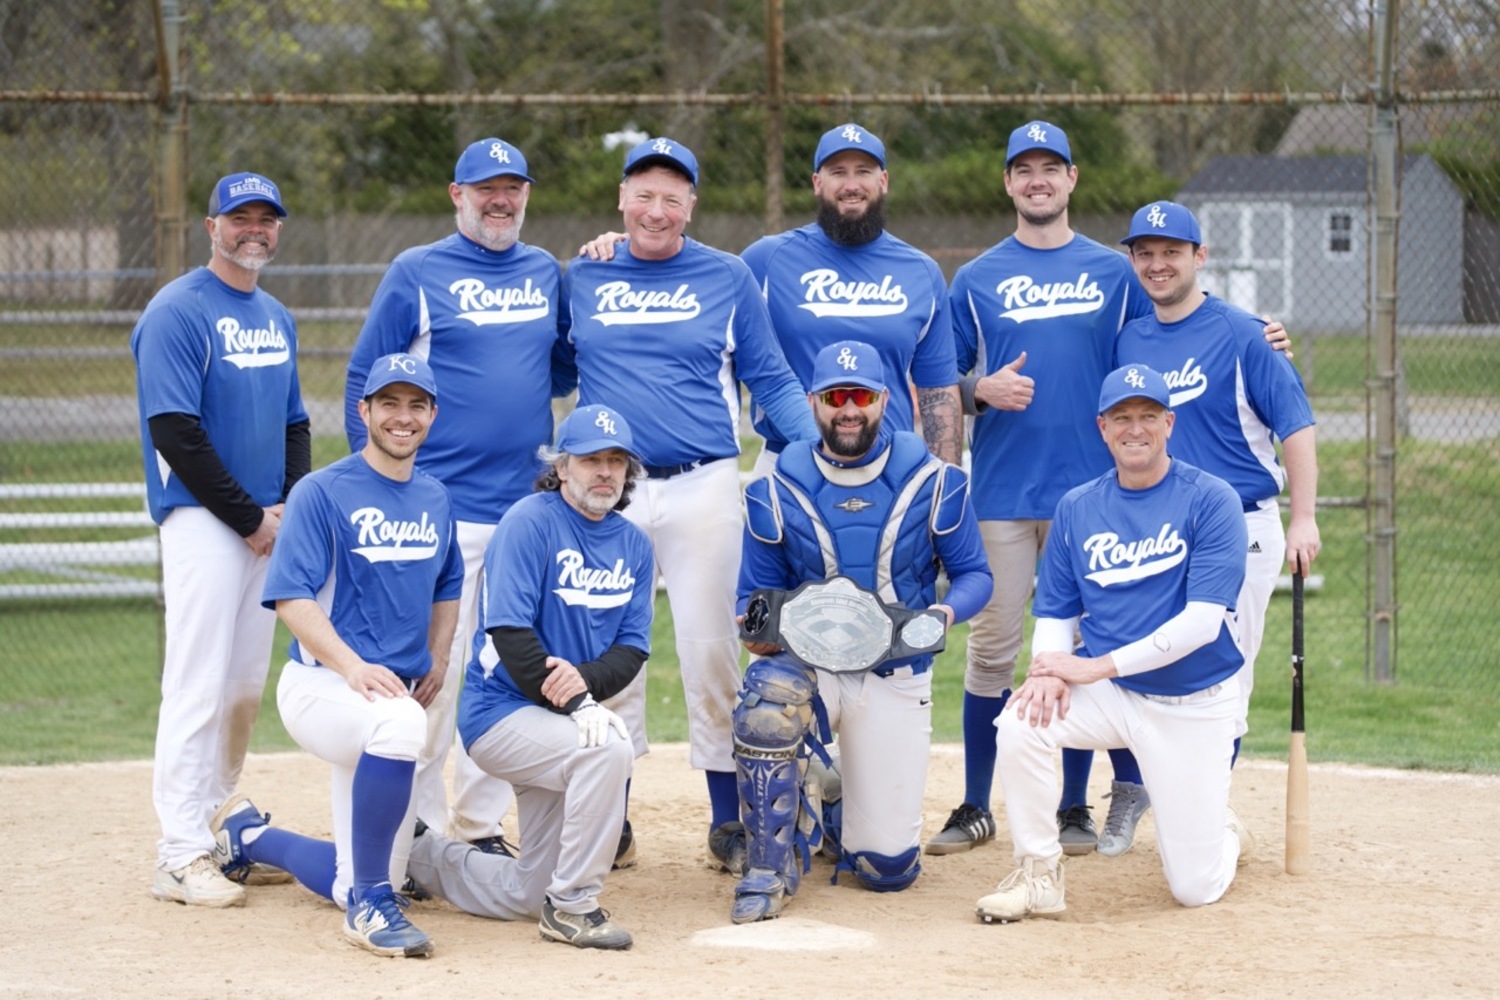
{"points": [[398, 729], [885, 872], [775, 707]]}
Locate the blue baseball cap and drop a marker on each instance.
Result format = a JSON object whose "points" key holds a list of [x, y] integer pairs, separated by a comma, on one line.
{"points": [[590, 429], [1038, 135], [1133, 382], [662, 152], [241, 189], [846, 137], [395, 368], [1166, 219], [848, 363], [490, 158]]}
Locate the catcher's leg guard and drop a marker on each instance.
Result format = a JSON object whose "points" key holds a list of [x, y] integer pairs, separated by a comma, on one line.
{"points": [[884, 872], [770, 722]]}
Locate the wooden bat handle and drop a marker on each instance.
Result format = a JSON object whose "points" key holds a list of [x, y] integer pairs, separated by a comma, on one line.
{"points": [[1297, 837]]}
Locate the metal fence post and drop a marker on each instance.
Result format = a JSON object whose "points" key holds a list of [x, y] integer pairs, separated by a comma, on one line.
{"points": [[171, 120], [1382, 387]]}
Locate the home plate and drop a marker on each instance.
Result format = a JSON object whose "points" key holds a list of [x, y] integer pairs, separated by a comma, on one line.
{"points": [[787, 934]]}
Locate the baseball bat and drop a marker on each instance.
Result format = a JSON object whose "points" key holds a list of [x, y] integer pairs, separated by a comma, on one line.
{"points": [[1296, 770]]}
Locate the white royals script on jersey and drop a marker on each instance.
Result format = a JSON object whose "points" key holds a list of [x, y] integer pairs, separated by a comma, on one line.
{"points": [[1022, 299], [1187, 383], [1112, 561], [248, 348], [485, 306], [829, 295], [381, 540], [620, 303], [577, 583]]}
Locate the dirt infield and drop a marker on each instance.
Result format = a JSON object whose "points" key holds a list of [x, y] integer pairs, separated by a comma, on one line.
{"points": [[1401, 901]]}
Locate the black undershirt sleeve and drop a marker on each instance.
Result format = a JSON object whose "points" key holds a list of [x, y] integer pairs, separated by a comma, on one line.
{"points": [[181, 440], [520, 650], [298, 454]]}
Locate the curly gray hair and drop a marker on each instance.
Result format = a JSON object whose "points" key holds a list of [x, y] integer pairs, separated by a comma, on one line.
{"points": [[549, 481]]}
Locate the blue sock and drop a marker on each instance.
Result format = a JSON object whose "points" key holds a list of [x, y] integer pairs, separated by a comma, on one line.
{"points": [[979, 718], [1076, 765], [311, 862], [1126, 768], [723, 797], [382, 789], [627, 799], [1236, 755]]}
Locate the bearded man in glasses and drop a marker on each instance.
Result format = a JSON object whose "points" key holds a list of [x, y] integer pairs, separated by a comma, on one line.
{"points": [[871, 504]]}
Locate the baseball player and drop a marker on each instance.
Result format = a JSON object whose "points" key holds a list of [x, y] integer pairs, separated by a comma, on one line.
{"points": [[224, 436], [873, 504], [481, 307], [1233, 397], [568, 596], [1035, 318], [366, 575], [666, 331], [845, 277], [1146, 561]]}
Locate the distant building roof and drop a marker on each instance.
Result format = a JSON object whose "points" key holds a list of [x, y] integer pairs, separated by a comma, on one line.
{"points": [[1345, 128], [1264, 174]]}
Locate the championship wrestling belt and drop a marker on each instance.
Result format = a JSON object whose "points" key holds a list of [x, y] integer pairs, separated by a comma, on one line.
{"points": [[839, 626]]}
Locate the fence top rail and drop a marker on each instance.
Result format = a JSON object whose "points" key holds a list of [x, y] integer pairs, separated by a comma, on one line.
{"points": [[47, 491]]}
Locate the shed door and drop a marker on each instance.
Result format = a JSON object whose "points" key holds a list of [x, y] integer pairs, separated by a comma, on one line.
{"points": [[1249, 255]]}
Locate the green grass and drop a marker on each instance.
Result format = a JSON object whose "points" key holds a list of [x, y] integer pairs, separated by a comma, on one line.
{"points": [[1334, 366], [82, 678], [85, 688]]}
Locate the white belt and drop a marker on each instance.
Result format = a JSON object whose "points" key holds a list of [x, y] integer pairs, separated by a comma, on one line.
{"points": [[1184, 699]]}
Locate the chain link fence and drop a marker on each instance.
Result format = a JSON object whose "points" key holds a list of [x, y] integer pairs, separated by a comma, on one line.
{"points": [[1263, 115]]}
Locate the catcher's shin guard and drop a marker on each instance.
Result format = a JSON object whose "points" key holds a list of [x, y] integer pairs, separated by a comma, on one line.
{"points": [[770, 803], [770, 723]]}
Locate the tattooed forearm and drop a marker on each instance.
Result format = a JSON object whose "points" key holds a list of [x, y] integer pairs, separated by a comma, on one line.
{"points": [[942, 422]]}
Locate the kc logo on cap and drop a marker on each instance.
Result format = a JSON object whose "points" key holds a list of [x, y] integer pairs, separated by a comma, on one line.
{"points": [[407, 368]]}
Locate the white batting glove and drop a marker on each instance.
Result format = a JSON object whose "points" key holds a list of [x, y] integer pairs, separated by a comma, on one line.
{"points": [[594, 723]]}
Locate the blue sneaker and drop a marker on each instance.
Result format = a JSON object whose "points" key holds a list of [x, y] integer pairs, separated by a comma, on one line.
{"points": [[375, 923], [228, 826]]}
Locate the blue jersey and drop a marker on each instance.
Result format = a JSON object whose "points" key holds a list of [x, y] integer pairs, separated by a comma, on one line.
{"points": [[1231, 391], [888, 524], [886, 293], [581, 585], [228, 358], [487, 324], [375, 553], [1130, 560], [667, 343], [1063, 307]]}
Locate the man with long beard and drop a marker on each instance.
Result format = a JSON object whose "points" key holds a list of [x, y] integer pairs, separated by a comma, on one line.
{"points": [[843, 276]]}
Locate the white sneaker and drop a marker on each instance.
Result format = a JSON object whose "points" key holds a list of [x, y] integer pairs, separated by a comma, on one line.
{"points": [[197, 883], [1031, 889], [1247, 842]]}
